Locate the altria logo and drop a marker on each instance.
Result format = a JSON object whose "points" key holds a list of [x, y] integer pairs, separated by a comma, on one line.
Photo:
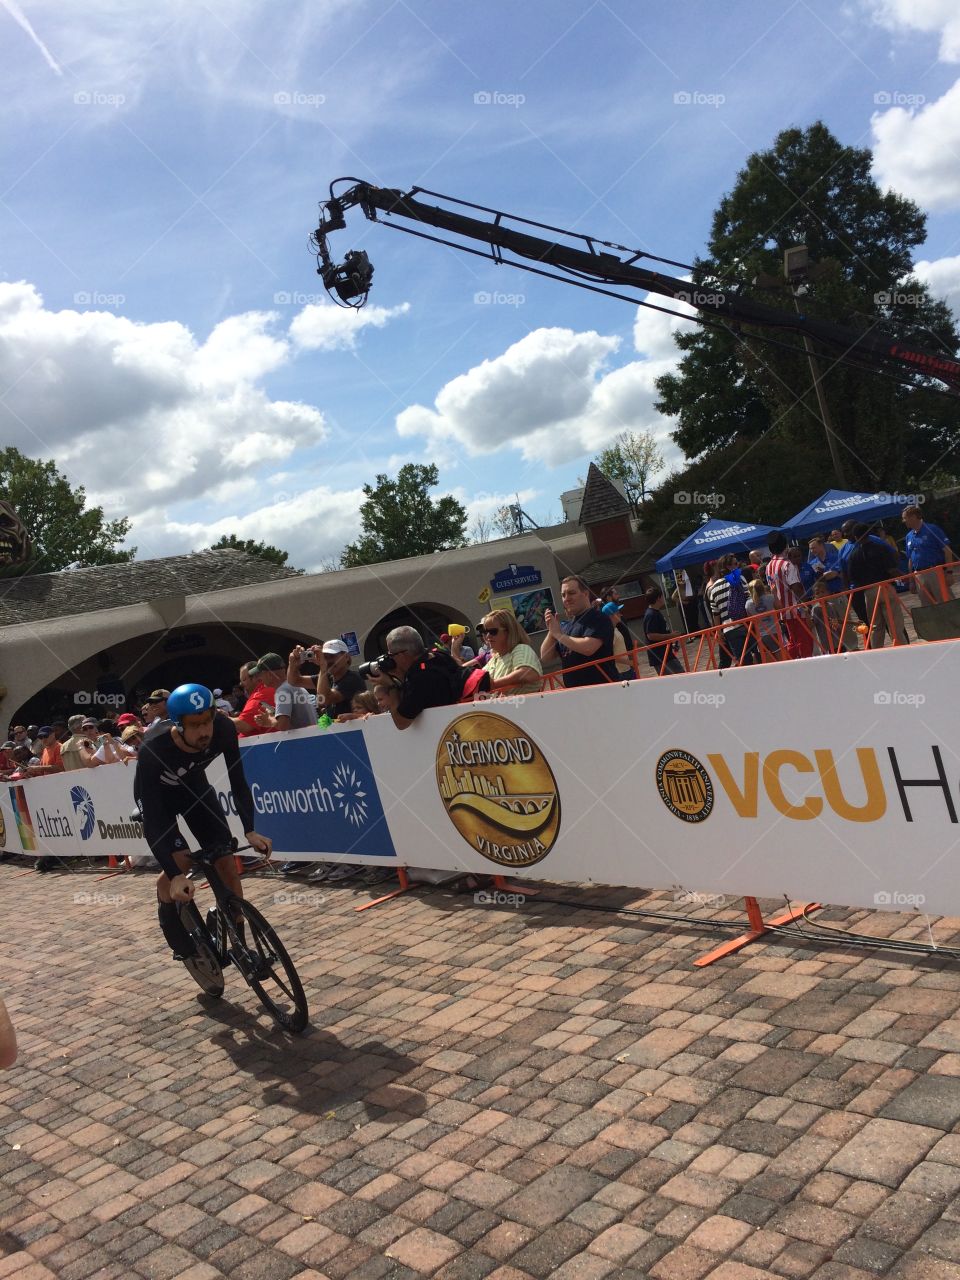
{"points": [[53, 824], [873, 780]]}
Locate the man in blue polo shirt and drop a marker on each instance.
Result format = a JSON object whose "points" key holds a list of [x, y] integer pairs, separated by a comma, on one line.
{"points": [[928, 547]]}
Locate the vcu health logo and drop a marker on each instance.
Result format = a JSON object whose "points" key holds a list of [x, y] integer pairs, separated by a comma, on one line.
{"points": [[82, 803], [498, 789], [684, 785]]}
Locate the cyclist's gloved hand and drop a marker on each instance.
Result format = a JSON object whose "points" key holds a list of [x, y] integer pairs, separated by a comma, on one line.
{"points": [[182, 889]]}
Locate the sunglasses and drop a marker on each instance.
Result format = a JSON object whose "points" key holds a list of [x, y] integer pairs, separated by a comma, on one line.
{"points": [[491, 631]]}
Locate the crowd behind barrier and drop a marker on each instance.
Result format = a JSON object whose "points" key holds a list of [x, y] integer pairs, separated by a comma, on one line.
{"points": [[844, 596], [849, 593]]}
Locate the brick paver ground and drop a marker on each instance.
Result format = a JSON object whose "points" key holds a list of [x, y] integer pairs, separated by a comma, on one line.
{"points": [[484, 1091]]}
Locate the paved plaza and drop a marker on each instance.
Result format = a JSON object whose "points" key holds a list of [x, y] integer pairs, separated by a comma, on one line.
{"points": [[501, 1091]]}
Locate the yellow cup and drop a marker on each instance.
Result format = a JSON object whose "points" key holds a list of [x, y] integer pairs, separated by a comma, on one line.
{"points": [[455, 629]]}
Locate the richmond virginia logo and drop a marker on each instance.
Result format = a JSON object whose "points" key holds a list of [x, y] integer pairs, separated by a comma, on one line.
{"points": [[498, 789], [685, 786], [82, 803]]}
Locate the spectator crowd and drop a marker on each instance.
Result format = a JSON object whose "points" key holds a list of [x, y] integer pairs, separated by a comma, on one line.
{"points": [[778, 603]]}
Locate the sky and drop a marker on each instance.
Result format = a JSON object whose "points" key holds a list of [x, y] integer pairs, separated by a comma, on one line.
{"points": [[163, 333]]}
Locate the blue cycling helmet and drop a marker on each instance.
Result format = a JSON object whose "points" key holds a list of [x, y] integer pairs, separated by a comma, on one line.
{"points": [[188, 700]]}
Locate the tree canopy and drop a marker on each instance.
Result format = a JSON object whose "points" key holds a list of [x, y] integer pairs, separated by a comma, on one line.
{"points": [[732, 391], [400, 519], [63, 531], [633, 458], [264, 550]]}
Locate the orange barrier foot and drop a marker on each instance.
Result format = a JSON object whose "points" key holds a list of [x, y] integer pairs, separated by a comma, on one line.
{"points": [[405, 884], [504, 886], [118, 867], [758, 927]]}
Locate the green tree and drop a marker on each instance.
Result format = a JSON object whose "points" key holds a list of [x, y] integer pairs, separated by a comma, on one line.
{"points": [[732, 390], [400, 519], [264, 550], [63, 530], [632, 459]]}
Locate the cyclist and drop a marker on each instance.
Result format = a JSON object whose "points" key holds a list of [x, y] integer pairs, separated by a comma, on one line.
{"points": [[171, 783]]}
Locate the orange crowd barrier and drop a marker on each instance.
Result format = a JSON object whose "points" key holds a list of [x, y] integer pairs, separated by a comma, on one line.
{"points": [[846, 621]]}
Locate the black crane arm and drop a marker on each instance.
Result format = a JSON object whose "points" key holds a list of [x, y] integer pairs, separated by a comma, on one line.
{"points": [[586, 259]]}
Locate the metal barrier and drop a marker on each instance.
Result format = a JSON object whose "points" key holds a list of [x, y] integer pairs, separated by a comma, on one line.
{"points": [[847, 620]]}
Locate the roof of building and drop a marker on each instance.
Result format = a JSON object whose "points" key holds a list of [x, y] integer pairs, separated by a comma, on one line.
{"points": [[602, 500], [615, 569], [36, 597]]}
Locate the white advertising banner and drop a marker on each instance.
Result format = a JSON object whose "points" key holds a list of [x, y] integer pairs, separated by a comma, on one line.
{"points": [[834, 778]]}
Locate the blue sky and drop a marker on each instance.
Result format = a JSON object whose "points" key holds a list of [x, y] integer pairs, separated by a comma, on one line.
{"points": [[163, 334]]}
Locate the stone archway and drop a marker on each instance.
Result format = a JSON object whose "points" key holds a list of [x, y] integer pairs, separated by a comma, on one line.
{"points": [[428, 617], [103, 683]]}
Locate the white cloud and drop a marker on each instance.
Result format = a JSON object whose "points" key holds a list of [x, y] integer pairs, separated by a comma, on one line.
{"points": [[549, 396], [942, 275], [653, 330], [146, 416], [917, 152], [312, 526], [327, 327], [938, 17], [916, 144]]}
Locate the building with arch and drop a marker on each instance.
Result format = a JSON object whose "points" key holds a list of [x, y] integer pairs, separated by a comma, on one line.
{"points": [[83, 639]]}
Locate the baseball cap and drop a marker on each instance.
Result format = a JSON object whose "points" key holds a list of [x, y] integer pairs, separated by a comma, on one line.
{"points": [[131, 731], [88, 723], [269, 662], [44, 730], [7, 745], [127, 718], [159, 695], [334, 646], [611, 607]]}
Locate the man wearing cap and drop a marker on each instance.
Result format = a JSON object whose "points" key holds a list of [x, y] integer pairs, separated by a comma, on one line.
{"points": [[221, 703], [78, 748], [621, 659], [337, 684], [268, 672], [294, 707], [155, 714], [51, 760]]}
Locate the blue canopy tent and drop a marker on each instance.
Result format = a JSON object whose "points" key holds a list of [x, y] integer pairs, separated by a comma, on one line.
{"points": [[837, 505], [714, 539]]}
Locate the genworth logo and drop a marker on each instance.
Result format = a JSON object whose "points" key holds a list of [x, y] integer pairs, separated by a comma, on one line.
{"points": [[82, 802]]}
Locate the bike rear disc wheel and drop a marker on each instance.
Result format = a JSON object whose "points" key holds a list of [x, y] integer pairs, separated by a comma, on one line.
{"points": [[203, 966], [279, 990]]}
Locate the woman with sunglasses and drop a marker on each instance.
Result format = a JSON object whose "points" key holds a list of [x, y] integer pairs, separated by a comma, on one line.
{"points": [[513, 666]]}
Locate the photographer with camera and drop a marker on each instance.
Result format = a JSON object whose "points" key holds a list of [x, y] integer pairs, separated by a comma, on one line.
{"points": [[427, 679], [337, 684]]}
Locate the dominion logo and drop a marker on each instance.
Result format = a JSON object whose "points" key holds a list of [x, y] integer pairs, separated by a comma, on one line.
{"points": [[498, 789]]}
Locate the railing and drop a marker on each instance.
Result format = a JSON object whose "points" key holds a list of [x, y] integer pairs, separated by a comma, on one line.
{"points": [[848, 620]]}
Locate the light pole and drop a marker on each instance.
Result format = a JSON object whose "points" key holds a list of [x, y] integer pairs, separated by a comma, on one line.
{"points": [[796, 267]]}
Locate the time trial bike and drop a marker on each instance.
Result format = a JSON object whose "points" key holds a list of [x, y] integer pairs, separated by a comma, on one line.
{"points": [[236, 932]]}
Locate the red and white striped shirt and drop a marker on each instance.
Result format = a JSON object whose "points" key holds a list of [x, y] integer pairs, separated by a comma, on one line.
{"points": [[782, 575]]}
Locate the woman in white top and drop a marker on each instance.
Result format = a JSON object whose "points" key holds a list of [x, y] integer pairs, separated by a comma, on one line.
{"points": [[513, 666]]}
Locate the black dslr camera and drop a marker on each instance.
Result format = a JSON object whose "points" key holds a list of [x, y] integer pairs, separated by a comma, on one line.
{"points": [[381, 666]]}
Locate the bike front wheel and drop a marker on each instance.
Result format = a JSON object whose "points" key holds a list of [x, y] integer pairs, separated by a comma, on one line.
{"points": [[277, 986]]}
